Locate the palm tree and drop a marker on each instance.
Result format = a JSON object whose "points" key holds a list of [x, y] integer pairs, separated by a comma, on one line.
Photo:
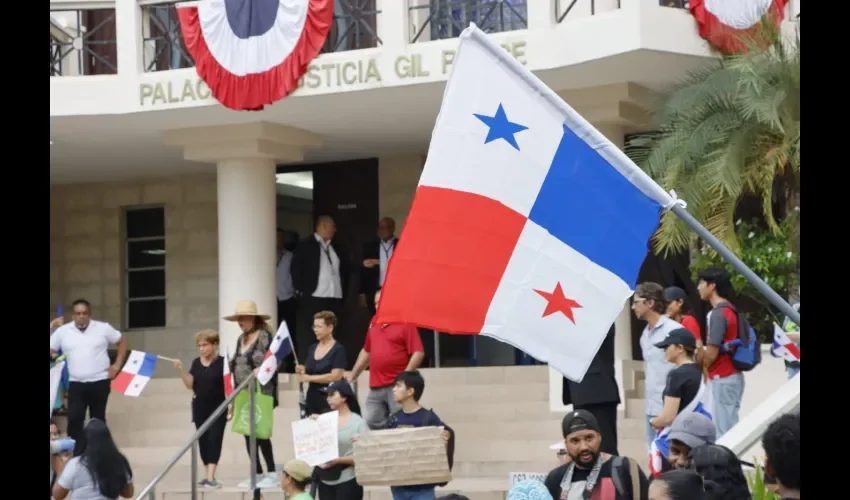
{"points": [[728, 131]]}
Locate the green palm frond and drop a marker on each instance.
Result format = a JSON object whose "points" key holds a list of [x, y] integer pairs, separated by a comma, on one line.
{"points": [[725, 131]]}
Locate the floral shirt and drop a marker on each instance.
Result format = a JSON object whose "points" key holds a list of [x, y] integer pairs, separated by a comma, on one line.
{"points": [[243, 363]]}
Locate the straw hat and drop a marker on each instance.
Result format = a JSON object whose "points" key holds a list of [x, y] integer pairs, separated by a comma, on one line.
{"points": [[246, 308]]}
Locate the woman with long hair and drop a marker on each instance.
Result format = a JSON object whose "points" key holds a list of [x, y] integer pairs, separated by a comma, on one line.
{"points": [[336, 478], [101, 472], [679, 311], [683, 381], [680, 484], [251, 348], [325, 363], [205, 379]]}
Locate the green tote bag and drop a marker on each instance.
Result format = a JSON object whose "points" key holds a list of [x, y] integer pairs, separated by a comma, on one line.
{"points": [[264, 406]]}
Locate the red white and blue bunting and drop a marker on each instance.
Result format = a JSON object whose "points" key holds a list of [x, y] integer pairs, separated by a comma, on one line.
{"points": [[729, 24], [251, 53]]}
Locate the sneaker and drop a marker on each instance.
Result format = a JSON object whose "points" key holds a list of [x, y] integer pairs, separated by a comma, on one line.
{"points": [[203, 483], [247, 483], [270, 480], [212, 484]]}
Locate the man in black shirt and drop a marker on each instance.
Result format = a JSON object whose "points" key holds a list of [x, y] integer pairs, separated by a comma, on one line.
{"points": [[590, 473]]}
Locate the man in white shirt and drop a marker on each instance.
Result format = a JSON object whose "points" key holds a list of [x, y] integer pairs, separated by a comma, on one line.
{"points": [[376, 257], [649, 305], [84, 343], [320, 272]]}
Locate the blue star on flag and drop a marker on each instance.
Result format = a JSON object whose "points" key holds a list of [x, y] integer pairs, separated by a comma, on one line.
{"points": [[501, 127]]}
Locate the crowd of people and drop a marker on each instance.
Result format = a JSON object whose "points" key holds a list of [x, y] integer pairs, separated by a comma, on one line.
{"points": [[680, 367]]}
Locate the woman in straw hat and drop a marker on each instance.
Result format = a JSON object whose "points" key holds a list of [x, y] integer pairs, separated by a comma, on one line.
{"points": [[251, 348]]}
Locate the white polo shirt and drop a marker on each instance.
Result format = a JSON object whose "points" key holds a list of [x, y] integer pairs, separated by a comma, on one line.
{"points": [[85, 352], [656, 366]]}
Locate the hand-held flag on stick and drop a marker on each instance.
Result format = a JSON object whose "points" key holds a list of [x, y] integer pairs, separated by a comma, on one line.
{"points": [[659, 449], [528, 225], [56, 373], [279, 349], [783, 347], [228, 377], [137, 372]]}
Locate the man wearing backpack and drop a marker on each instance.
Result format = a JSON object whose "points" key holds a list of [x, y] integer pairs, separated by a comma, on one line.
{"points": [[590, 473], [727, 381]]}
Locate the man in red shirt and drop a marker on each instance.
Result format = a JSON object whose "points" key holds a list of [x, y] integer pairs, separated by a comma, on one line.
{"points": [[727, 383], [388, 350]]}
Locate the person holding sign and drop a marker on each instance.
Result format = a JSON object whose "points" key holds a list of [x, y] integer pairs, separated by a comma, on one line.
{"points": [[336, 477]]}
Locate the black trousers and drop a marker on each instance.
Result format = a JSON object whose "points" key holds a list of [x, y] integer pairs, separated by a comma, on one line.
{"points": [[265, 448], [83, 396], [348, 490], [286, 312], [606, 415], [307, 308], [209, 445]]}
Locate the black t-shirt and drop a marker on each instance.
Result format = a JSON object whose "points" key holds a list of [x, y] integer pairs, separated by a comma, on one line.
{"points": [[208, 387], [334, 359], [683, 383], [605, 487]]}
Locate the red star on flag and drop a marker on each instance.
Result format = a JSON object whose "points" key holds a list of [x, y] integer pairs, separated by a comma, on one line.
{"points": [[558, 302]]}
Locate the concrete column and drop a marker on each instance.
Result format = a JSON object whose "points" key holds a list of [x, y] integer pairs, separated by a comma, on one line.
{"points": [[623, 325], [128, 29], [246, 157], [246, 239]]}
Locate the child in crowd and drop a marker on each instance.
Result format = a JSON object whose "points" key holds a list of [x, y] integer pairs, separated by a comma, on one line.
{"points": [[407, 391]]}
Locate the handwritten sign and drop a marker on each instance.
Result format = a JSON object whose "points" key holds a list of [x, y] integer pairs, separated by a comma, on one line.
{"points": [[316, 441], [516, 477]]}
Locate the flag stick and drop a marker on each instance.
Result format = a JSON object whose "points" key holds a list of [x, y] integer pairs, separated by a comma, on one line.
{"points": [[166, 359], [730, 257]]}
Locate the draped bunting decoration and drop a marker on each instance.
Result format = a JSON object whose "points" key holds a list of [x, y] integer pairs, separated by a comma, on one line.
{"points": [[728, 25], [251, 53]]}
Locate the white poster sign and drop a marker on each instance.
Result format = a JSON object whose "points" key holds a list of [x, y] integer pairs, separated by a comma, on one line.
{"points": [[516, 477], [316, 441]]}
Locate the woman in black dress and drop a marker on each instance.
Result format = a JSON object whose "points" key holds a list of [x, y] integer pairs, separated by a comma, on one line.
{"points": [[206, 380], [324, 364]]}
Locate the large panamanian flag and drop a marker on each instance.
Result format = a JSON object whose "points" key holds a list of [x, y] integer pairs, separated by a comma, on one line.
{"points": [[527, 226]]}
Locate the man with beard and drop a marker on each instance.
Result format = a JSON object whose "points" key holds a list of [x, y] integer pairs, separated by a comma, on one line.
{"points": [[590, 474]]}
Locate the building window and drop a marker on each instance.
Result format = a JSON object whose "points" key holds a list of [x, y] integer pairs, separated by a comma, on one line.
{"points": [[144, 279]]}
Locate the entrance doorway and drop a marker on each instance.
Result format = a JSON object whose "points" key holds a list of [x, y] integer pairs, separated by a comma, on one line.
{"points": [[348, 192]]}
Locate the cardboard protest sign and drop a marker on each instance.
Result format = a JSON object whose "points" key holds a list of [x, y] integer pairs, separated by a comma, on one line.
{"points": [[401, 457]]}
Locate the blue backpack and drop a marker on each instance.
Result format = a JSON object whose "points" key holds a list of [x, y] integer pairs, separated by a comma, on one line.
{"points": [[745, 351]]}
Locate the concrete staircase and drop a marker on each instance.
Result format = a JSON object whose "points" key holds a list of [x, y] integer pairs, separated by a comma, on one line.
{"points": [[501, 416]]}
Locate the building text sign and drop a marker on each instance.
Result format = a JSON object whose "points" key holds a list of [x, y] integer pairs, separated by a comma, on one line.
{"points": [[365, 71]]}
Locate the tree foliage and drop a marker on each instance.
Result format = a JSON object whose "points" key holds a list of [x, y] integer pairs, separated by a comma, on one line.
{"points": [[726, 131]]}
